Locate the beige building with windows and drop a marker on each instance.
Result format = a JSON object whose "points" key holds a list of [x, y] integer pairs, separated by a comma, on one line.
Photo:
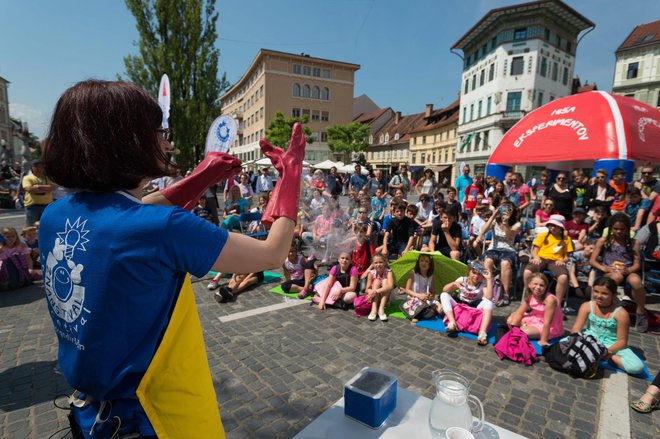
{"points": [[637, 71], [433, 141], [295, 85]]}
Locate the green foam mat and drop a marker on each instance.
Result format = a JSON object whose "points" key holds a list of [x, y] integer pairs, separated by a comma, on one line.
{"points": [[278, 290], [268, 276]]}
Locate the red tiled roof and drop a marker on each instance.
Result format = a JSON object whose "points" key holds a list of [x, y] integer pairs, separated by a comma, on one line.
{"points": [[440, 117], [371, 115], [587, 87], [403, 128], [643, 35]]}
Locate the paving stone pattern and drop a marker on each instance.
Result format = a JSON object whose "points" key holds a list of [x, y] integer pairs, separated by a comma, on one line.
{"points": [[277, 371]]}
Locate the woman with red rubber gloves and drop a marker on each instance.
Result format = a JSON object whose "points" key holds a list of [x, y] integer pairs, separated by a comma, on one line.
{"points": [[115, 265]]}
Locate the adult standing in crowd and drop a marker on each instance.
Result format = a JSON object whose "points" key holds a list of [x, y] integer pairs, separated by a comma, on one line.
{"points": [[463, 181], [600, 193], [427, 184], [134, 352], [580, 188], [400, 181], [376, 182], [357, 181], [537, 192], [333, 184], [519, 193], [264, 182], [648, 184], [562, 195], [38, 192]]}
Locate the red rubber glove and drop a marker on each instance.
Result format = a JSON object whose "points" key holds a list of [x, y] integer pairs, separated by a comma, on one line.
{"points": [[283, 200], [215, 167]]}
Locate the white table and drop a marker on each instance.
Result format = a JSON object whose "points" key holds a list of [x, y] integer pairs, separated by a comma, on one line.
{"points": [[409, 420]]}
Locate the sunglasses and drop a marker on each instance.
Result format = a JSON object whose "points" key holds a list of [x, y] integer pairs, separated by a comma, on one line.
{"points": [[647, 173], [561, 178], [362, 211]]}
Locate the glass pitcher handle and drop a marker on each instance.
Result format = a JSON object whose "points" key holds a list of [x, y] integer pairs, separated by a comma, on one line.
{"points": [[478, 425]]}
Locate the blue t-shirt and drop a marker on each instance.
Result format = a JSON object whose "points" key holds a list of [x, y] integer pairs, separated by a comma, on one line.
{"points": [[462, 182], [358, 182], [113, 268], [632, 209]]}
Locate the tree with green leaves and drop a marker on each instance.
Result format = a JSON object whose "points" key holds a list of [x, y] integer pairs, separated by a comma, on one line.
{"points": [[178, 38], [348, 138], [279, 130]]}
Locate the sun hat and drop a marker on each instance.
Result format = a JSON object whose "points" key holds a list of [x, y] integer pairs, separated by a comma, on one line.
{"points": [[557, 220]]}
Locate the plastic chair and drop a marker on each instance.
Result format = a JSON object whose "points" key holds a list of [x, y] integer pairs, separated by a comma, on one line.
{"points": [[245, 220]]}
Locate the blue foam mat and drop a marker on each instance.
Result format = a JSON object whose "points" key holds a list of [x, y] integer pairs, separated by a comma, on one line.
{"points": [[437, 324]]}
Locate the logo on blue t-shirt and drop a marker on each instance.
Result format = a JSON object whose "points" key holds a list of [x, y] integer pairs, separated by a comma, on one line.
{"points": [[62, 276]]}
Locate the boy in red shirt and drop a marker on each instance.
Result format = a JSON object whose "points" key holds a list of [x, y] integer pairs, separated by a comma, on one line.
{"points": [[361, 255]]}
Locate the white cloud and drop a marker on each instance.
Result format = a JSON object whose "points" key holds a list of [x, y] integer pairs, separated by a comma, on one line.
{"points": [[38, 121]]}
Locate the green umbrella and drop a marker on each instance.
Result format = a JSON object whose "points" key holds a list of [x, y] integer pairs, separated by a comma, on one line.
{"points": [[445, 270]]}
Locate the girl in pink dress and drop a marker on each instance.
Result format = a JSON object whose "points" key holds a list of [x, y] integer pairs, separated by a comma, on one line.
{"points": [[380, 283], [539, 314]]}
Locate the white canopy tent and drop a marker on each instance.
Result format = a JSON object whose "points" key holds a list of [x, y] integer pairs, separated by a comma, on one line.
{"points": [[265, 161], [350, 168], [326, 165]]}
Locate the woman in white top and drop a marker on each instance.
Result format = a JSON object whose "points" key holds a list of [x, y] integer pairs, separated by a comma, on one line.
{"points": [[426, 184], [246, 188]]}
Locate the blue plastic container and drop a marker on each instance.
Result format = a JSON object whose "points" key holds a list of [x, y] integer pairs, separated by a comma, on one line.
{"points": [[370, 397]]}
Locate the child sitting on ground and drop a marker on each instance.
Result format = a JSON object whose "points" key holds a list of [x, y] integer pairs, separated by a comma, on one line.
{"points": [[29, 235], [380, 283], [609, 324], [19, 254], [347, 276], [236, 285], [544, 320], [298, 271], [419, 287], [475, 290]]}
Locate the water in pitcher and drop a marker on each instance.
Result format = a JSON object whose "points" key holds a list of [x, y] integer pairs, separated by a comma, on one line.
{"points": [[449, 409]]}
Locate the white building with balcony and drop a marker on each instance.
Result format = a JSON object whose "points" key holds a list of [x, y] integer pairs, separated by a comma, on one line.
{"points": [[515, 59]]}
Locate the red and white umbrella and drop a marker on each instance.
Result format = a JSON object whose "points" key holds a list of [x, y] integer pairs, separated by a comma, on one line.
{"points": [[577, 130]]}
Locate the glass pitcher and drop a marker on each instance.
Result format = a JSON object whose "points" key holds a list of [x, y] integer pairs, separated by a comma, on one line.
{"points": [[450, 406]]}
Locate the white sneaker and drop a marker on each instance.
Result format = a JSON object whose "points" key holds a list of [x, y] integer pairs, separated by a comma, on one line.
{"points": [[212, 285]]}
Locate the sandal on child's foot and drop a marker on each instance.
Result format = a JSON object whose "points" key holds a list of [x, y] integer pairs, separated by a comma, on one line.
{"points": [[645, 407], [451, 329], [372, 317], [482, 339], [303, 294]]}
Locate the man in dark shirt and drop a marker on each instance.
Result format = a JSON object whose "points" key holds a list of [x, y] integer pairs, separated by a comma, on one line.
{"points": [[333, 183], [446, 235], [376, 182], [649, 185], [400, 231]]}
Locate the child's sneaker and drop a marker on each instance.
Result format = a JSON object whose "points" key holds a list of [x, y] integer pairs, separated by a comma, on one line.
{"points": [[642, 323], [212, 285]]}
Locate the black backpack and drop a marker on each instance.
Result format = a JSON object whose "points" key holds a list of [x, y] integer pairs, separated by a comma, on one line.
{"points": [[578, 355]]}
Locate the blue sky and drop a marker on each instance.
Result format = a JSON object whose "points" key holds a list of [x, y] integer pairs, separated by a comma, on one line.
{"points": [[402, 46]]}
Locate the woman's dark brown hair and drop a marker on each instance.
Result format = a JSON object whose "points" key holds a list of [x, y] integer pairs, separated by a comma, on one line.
{"points": [[104, 137]]}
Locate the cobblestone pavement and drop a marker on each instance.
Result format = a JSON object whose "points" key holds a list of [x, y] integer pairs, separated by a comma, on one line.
{"points": [[276, 371]]}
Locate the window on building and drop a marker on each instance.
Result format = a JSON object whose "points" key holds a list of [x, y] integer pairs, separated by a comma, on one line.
{"points": [[547, 35], [479, 109], [491, 72], [630, 95], [555, 71], [316, 72], [493, 42], [414, 157], [539, 99], [316, 92], [305, 112], [482, 77], [484, 49], [544, 67], [474, 81], [517, 65], [633, 68], [564, 76], [324, 136], [316, 115], [467, 86], [488, 102], [446, 155], [464, 114], [325, 73], [261, 113], [296, 90], [513, 100], [471, 111], [307, 71], [569, 46], [306, 91], [520, 34], [552, 98], [297, 69], [387, 137], [325, 116], [325, 94], [484, 137]]}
